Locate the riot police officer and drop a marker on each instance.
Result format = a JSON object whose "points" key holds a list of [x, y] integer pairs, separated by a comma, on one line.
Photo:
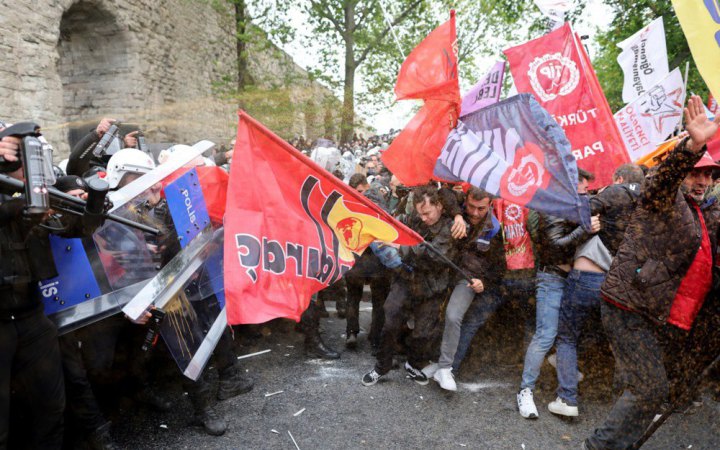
{"points": [[30, 367]]}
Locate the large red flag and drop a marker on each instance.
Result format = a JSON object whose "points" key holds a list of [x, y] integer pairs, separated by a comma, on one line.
{"points": [[430, 73], [557, 70], [291, 228]]}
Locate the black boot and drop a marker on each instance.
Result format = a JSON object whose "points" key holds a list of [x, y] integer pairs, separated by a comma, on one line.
{"points": [[100, 439], [233, 382], [154, 399], [205, 415], [316, 348], [310, 324], [211, 421]]}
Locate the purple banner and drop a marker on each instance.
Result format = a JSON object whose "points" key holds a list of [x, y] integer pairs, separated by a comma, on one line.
{"points": [[486, 92]]}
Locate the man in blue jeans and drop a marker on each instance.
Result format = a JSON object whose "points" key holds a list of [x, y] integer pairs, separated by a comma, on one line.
{"points": [[555, 243], [615, 206]]}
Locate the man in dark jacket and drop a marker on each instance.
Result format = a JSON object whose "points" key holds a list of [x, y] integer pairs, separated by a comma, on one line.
{"points": [[658, 281], [367, 270], [481, 255], [420, 291], [555, 242]]}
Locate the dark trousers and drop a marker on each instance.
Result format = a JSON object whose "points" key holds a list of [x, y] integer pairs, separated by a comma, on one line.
{"points": [[399, 306], [379, 289], [30, 367], [640, 367], [481, 309], [82, 404]]}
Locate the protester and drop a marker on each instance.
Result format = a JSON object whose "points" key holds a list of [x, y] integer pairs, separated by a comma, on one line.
{"points": [[658, 282], [581, 297], [481, 256], [555, 240], [419, 291]]}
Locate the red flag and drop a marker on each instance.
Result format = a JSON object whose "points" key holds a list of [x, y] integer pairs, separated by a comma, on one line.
{"points": [[557, 70], [430, 73], [214, 183], [291, 228]]}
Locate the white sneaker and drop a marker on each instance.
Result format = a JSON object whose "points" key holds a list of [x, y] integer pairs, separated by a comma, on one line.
{"points": [[552, 360], [430, 370], [526, 404], [445, 378], [563, 409]]}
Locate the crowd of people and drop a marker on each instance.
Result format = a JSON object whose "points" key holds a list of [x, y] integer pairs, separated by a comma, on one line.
{"points": [[647, 264]]}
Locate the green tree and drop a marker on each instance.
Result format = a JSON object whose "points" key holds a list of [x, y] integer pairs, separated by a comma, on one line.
{"points": [[629, 16], [356, 33]]}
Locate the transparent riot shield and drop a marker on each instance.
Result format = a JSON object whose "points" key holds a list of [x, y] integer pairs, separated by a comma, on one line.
{"points": [[193, 320], [98, 275]]}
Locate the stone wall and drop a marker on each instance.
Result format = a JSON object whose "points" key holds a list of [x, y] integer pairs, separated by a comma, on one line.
{"points": [[162, 64]]}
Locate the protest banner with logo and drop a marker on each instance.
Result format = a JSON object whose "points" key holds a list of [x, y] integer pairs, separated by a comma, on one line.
{"points": [[700, 21], [557, 70], [643, 60], [518, 245], [485, 92], [515, 150], [429, 73], [291, 228], [653, 116]]}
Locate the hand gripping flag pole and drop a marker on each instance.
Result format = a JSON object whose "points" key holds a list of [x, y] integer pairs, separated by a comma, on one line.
{"points": [[447, 261]]}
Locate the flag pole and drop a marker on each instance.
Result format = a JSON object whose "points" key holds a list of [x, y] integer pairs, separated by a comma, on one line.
{"points": [[655, 425], [447, 261], [685, 96]]}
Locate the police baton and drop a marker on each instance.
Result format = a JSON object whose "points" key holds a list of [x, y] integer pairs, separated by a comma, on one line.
{"points": [[447, 261], [658, 423]]}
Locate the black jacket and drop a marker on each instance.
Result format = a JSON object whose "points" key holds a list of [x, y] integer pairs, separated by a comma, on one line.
{"points": [[482, 253], [26, 256], [615, 205], [430, 275], [555, 240]]}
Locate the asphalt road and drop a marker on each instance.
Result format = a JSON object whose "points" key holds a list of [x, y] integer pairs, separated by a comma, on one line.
{"points": [[323, 405]]}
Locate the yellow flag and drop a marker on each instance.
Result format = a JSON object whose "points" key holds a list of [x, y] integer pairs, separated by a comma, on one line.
{"points": [[700, 21]]}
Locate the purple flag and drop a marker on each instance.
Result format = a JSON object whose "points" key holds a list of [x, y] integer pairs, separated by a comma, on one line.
{"points": [[486, 92]]}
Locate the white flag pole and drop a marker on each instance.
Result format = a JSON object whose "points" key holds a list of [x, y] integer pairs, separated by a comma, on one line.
{"points": [[682, 111]]}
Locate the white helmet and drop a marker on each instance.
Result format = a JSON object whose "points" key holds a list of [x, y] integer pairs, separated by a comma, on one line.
{"points": [[63, 164], [127, 160], [180, 151]]}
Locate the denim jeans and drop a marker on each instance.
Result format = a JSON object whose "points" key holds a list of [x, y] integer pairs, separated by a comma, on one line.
{"points": [[480, 310], [550, 287], [581, 297]]}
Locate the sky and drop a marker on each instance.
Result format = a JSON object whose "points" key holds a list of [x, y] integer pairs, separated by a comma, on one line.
{"points": [[397, 115]]}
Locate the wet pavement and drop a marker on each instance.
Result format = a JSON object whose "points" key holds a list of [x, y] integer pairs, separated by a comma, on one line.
{"points": [[322, 404]]}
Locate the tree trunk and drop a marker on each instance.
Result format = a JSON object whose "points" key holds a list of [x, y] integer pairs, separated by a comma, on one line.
{"points": [[347, 125], [241, 25]]}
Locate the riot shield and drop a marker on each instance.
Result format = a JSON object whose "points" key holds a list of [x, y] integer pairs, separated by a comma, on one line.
{"points": [[97, 276], [194, 320]]}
